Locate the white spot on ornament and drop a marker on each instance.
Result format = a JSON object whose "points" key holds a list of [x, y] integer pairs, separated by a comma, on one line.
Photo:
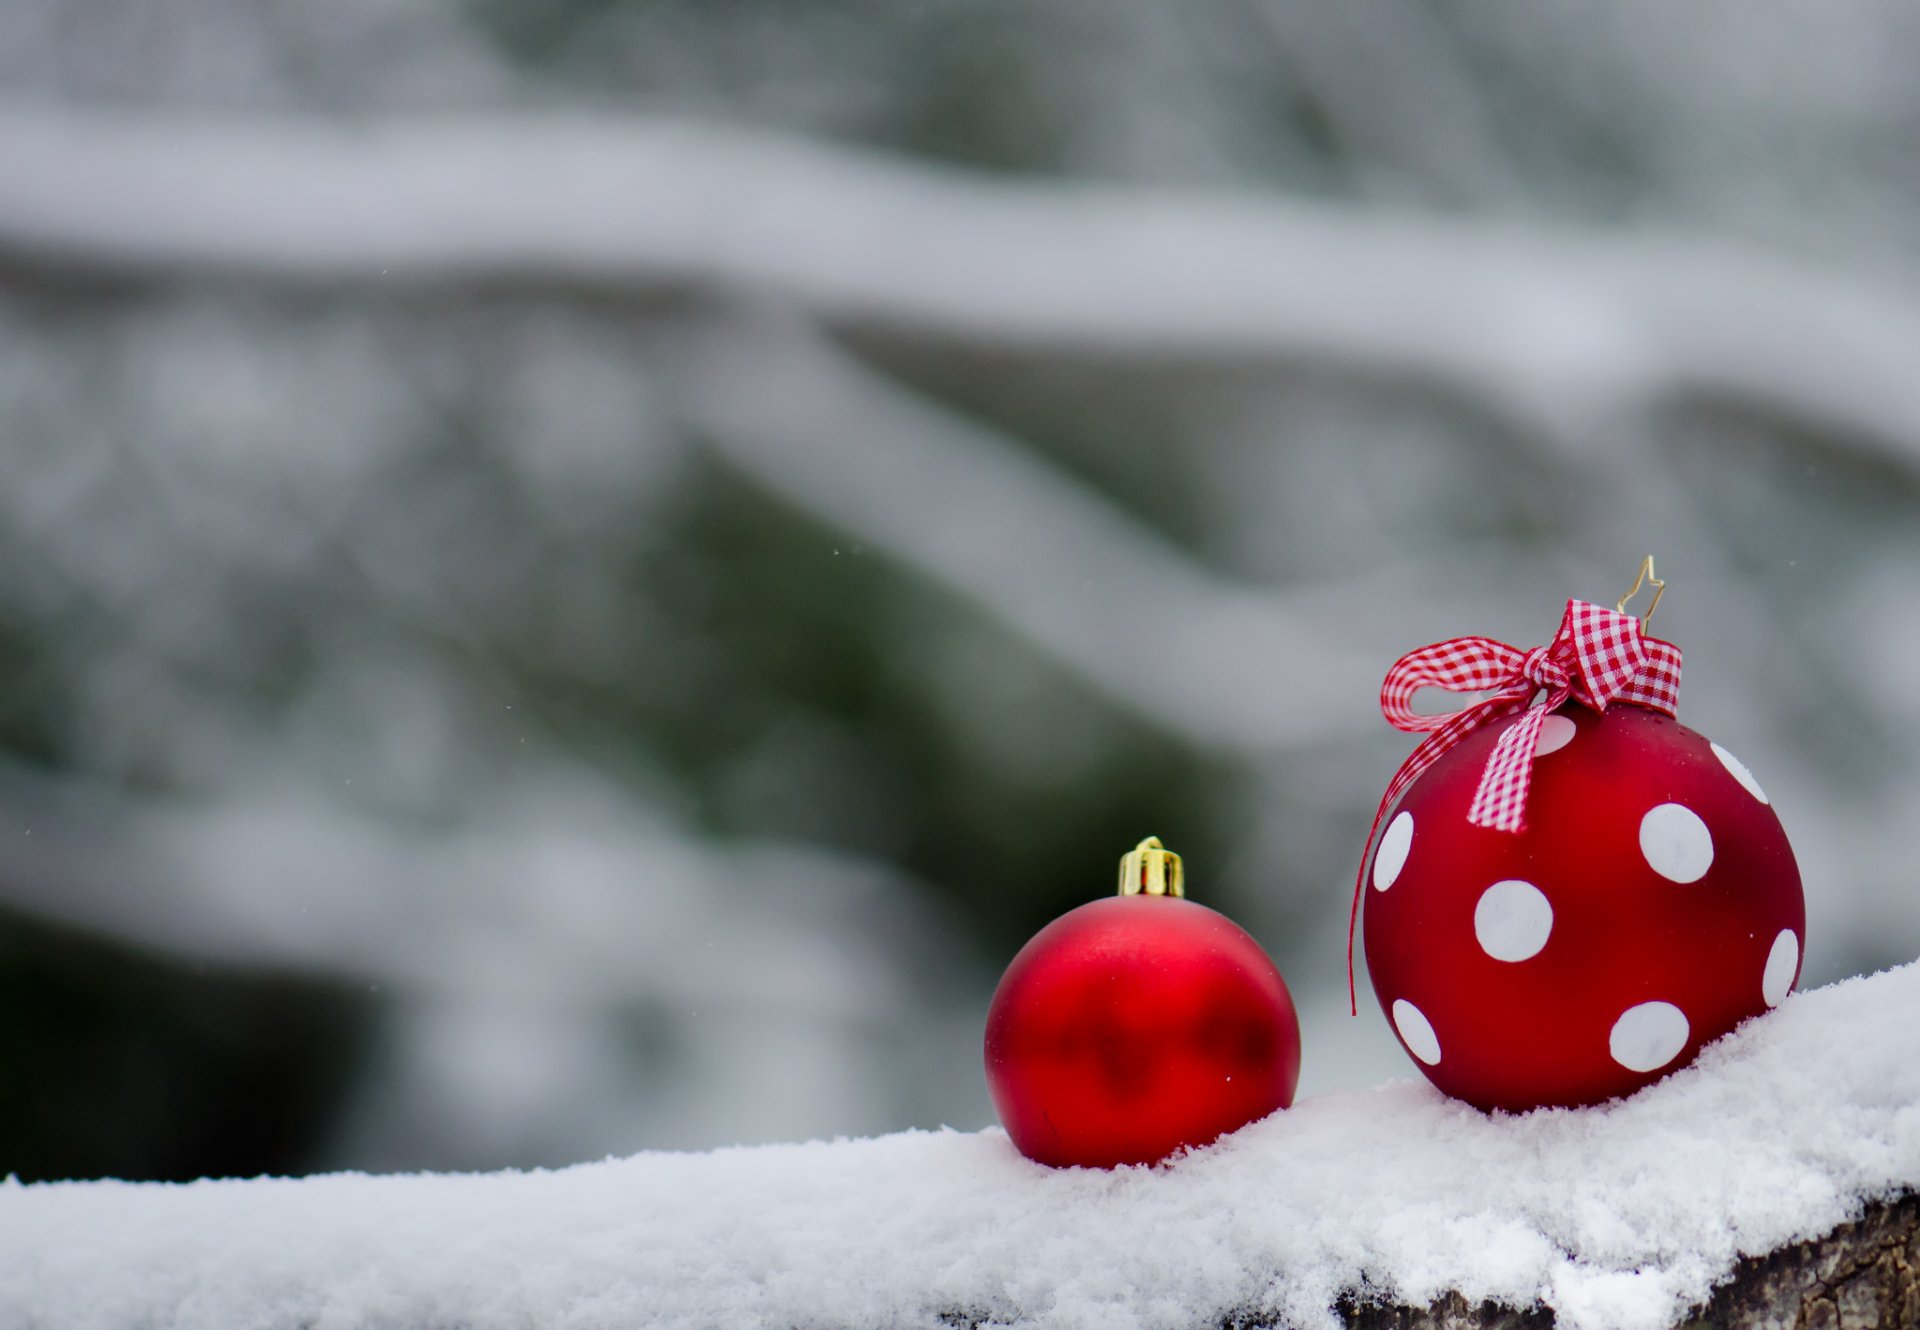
{"points": [[1676, 842], [1391, 857], [1512, 920], [1782, 963], [1740, 773], [1648, 1036], [1416, 1031], [1556, 732]]}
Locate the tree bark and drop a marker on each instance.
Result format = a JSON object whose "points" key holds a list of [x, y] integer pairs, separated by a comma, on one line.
{"points": [[1862, 1276]]}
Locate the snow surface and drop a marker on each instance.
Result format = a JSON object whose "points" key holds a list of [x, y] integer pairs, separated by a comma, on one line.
{"points": [[1617, 1217]]}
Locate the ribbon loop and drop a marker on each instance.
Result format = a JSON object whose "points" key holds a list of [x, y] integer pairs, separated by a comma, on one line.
{"points": [[1463, 665], [1598, 657]]}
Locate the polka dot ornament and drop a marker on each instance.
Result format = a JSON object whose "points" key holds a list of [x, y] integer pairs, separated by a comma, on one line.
{"points": [[1651, 905]]}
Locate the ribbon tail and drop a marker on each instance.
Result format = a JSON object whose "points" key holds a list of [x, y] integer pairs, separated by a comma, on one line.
{"points": [[1500, 800], [1360, 891], [1455, 728]]}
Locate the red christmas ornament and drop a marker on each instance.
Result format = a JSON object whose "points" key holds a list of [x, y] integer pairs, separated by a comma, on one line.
{"points": [[1133, 1026], [1575, 894]]}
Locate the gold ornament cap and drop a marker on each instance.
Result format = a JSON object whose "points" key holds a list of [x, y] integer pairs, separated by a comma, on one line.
{"points": [[1151, 869]]}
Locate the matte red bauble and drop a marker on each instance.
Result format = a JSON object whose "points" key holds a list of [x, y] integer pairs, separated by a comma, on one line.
{"points": [[1647, 903], [1137, 1025]]}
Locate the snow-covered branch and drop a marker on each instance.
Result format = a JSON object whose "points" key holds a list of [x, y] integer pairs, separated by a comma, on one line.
{"points": [[566, 894], [1616, 1218], [1545, 324], [1231, 666]]}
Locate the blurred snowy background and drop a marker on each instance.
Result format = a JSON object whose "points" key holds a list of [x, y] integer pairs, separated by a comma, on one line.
{"points": [[577, 576]]}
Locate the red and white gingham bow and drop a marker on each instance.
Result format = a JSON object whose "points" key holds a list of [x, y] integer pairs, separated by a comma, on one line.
{"points": [[1598, 657]]}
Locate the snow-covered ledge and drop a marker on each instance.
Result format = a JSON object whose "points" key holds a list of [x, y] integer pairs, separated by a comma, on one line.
{"points": [[1615, 1218]]}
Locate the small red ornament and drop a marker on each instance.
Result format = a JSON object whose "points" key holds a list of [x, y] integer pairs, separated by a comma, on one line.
{"points": [[1133, 1026], [1580, 937]]}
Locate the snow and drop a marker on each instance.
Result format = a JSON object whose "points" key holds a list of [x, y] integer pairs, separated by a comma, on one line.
{"points": [[1616, 1217], [1567, 323]]}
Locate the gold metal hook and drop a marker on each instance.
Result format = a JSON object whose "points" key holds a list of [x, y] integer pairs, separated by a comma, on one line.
{"points": [[1150, 868], [1646, 577]]}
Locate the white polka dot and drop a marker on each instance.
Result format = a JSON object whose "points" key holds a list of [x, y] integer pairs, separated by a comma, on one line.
{"points": [[1391, 857], [1649, 1036], [1556, 732], [1740, 773], [1782, 962], [1512, 920], [1676, 842], [1417, 1031]]}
